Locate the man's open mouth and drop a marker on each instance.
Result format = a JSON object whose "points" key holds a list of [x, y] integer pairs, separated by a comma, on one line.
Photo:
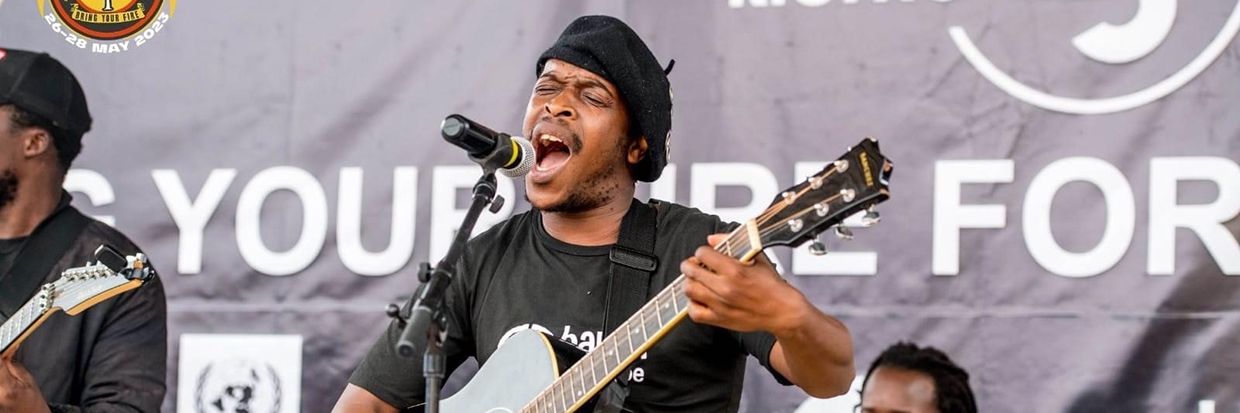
{"points": [[552, 153]]}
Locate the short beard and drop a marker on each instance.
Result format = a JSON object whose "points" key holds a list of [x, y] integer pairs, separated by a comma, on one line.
{"points": [[8, 188], [597, 190]]}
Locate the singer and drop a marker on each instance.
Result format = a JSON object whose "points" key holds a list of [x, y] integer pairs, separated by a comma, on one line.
{"points": [[576, 265]]}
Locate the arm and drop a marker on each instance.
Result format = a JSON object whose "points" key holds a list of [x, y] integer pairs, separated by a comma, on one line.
{"points": [[357, 400], [812, 350]]}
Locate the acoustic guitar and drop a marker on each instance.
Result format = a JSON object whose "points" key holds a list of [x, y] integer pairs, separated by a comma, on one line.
{"points": [[524, 375]]}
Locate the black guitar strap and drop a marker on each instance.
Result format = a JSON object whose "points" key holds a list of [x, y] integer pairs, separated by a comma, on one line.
{"points": [[632, 262], [46, 245]]}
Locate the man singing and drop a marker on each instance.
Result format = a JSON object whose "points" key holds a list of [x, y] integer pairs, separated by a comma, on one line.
{"points": [[110, 358], [600, 117]]}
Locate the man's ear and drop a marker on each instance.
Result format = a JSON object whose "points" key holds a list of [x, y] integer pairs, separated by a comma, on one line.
{"points": [[35, 142], [637, 150]]}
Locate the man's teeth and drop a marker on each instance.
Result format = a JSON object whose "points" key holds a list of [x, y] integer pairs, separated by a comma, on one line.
{"points": [[547, 137]]}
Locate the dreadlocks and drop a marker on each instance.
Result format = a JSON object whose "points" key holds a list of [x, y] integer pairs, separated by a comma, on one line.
{"points": [[951, 383]]}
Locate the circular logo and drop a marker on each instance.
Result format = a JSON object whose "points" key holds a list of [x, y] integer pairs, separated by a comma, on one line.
{"points": [[237, 386], [106, 19], [1113, 44]]}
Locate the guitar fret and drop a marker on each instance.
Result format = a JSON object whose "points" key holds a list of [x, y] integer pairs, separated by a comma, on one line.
{"points": [[647, 327], [564, 404], [632, 331], [676, 293], [593, 372], [616, 350], [609, 352], [602, 376], [665, 307], [658, 314], [581, 392]]}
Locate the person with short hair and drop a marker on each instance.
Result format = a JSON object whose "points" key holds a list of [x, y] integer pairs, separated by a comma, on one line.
{"points": [[906, 378]]}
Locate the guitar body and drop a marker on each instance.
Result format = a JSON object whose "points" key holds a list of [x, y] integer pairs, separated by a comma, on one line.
{"points": [[527, 363]]}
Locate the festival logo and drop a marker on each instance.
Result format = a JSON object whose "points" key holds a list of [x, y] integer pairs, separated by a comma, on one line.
{"points": [[239, 374], [107, 26], [1112, 44]]}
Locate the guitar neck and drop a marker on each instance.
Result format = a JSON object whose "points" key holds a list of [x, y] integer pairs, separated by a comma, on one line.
{"points": [[24, 320], [632, 338]]}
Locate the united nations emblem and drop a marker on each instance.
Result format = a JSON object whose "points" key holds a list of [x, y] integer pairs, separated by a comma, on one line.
{"points": [[238, 386], [107, 26]]}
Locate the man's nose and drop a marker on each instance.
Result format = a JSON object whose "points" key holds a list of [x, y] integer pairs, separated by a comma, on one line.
{"points": [[560, 105]]}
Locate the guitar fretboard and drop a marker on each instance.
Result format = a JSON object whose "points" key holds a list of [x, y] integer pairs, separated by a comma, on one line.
{"points": [[630, 339], [19, 322]]}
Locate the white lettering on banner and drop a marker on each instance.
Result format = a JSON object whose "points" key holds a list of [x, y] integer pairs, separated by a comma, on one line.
{"points": [[1121, 217], [835, 263], [191, 217], [349, 223], [706, 177], [950, 216], [313, 228], [96, 188], [446, 217], [193, 214], [1205, 220], [736, 4]]}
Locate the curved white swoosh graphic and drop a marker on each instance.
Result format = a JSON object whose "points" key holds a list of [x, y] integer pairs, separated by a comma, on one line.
{"points": [[1104, 105]]}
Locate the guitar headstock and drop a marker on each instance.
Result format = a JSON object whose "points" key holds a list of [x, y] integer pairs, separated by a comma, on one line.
{"points": [[82, 287], [855, 182]]}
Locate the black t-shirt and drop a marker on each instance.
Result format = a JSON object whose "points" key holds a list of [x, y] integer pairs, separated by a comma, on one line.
{"points": [[516, 276]]}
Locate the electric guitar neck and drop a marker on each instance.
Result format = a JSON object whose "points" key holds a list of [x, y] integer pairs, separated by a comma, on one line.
{"points": [[76, 290]]}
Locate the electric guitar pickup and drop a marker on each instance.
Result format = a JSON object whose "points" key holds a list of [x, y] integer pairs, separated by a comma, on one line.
{"points": [[76, 290]]}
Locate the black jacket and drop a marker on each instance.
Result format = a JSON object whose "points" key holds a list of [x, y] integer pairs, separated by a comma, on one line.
{"points": [[110, 358]]}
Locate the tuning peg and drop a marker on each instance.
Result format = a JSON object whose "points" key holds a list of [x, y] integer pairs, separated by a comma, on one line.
{"points": [[817, 248], [842, 232], [871, 218]]}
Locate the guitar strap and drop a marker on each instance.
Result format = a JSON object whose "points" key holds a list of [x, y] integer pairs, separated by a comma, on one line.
{"points": [[45, 246], [632, 262]]}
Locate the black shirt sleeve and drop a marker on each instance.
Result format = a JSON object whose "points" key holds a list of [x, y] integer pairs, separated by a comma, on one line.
{"points": [[398, 381]]}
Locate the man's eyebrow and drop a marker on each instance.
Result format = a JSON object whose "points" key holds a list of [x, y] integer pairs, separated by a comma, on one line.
{"points": [[548, 75], [582, 81]]}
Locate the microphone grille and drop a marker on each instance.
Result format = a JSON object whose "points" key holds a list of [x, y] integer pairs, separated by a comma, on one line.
{"points": [[527, 159]]}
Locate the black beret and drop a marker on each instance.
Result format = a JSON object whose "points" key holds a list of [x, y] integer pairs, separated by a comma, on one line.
{"points": [[607, 47]]}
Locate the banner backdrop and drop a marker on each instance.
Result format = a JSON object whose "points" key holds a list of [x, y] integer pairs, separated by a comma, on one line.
{"points": [[1064, 206]]}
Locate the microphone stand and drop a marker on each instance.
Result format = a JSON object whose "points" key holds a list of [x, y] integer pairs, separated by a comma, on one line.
{"points": [[423, 322]]}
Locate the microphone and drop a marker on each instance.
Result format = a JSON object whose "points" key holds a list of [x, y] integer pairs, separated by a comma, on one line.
{"points": [[513, 156]]}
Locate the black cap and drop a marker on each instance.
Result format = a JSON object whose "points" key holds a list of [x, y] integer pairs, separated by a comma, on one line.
{"points": [[607, 47], [41, 85]]}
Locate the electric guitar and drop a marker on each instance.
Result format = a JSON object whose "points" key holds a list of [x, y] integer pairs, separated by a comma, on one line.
{"points": [[524, 374], [76, 290]]}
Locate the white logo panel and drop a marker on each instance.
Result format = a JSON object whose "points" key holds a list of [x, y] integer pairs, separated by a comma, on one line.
{"points": [[233, 373]]}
